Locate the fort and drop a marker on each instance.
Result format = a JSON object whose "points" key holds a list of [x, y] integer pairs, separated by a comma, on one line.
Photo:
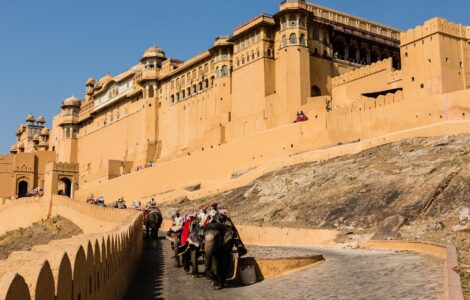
{"points": [[189, 129]]}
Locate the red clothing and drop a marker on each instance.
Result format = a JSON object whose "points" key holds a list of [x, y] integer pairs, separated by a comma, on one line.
{"points": [[186, 231]]}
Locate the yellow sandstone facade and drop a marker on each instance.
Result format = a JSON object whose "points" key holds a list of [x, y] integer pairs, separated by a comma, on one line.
{"points": [[166, 124]]}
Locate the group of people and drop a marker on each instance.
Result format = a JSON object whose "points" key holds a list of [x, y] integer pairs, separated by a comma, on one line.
{"points": [[37, 192], [147, 165], [98, 201], [301, 117], [121, 203], [193, 235]]}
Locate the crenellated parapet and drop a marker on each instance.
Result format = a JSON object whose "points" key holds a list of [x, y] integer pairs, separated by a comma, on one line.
{"points": [[433, 26], [383, 65], [88, 266]]}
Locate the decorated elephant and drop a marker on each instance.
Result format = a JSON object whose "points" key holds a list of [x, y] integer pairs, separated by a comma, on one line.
{"points": [[190, 244], [218, 247]]}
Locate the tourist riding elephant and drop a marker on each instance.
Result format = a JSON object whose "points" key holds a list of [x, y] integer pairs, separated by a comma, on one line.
{"points": [[153, 221], [218, 249]]}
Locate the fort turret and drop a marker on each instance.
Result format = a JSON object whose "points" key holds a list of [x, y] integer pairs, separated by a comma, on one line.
{"points": [[436, 58]]}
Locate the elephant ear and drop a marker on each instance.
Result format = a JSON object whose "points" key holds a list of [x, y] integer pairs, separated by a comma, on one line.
{"points": [[228, 234]]}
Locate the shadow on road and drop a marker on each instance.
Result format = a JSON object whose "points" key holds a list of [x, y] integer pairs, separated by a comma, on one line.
{"points": [[148, 280]]}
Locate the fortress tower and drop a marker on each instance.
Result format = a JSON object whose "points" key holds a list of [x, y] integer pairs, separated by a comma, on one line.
{"points": [[293, 65], [436, 58], [66, 135]]}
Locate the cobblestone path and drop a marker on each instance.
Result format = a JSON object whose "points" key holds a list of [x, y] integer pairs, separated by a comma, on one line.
{"points": [[346, 274]]}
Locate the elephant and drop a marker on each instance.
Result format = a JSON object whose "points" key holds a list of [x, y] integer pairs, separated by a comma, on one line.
{"points": [[218, 250], [190, 251], [190, 260], [175, 240], [153, 221]]}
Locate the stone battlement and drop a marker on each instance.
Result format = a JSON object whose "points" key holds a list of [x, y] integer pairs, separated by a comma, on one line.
{"points": [[89, 266], [382, 65], [433, 26]]}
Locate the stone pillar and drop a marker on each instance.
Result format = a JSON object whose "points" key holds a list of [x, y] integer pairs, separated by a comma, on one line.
{"points": [[147, 88]]}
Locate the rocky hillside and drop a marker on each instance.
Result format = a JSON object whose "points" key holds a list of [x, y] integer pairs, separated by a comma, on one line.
{"points": [[40, 233], [419, 186]]}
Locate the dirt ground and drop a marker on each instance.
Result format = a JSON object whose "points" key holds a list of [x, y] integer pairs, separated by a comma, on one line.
{"points": [[422, 180], [40, 233]]}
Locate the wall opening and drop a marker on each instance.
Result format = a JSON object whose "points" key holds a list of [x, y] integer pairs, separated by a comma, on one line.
{"points": [[22, 188], [315, 91], [66, 187]]}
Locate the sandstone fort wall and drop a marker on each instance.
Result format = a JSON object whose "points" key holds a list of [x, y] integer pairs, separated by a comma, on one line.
{"points": [[359, 121]]}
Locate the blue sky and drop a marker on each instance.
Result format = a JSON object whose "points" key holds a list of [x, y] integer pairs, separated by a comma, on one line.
{"points": [[49, 48]]}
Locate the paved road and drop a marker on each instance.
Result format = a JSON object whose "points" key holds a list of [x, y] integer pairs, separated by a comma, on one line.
{"points": [[346, 274]]}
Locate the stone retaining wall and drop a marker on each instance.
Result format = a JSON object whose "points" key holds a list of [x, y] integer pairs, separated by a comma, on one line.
{"points": [[21, 213]]}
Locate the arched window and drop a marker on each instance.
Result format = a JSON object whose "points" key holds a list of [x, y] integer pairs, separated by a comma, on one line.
{"points": [[189, 92], [284, 41], [238, 62], [200, 86], [172, 99], [292, 21], [257, 53], [224, 70], [177, 96], [243, 59], [293, 39], [183, 94], [315, 91], [212, 81], [303, 22], [194, 89], [302, 40], [206, 83], [151, 92], [252, 55]]}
